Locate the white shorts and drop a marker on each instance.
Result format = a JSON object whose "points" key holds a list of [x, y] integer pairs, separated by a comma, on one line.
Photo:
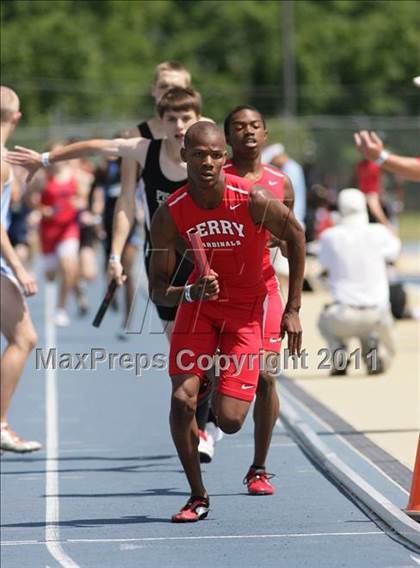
{"points": [[66, 249]]}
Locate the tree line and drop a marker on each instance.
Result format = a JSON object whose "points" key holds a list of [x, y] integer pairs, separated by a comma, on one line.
{"points": [[76, 59]]}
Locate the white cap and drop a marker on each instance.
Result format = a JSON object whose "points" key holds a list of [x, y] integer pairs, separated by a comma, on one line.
{"points": [[352, 206], [416, 81], [270, 152]]}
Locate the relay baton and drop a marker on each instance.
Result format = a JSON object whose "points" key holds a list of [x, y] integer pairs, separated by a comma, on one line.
{"points": [[200, 256], [112, 286]]}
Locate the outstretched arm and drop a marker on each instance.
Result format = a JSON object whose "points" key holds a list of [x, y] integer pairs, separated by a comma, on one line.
{"points": [[164, 236], [371, 147], [118, 147], [266, 209]]}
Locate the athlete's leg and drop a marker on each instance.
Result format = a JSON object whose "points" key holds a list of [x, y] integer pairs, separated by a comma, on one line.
{"points": [[185, 430], [267, 406], [168, 327], [127, 260], [87, 257], [67, 254], [230, 412], [50, 266], [239, 362], [266, 412], [203, 403], [17, 327]]}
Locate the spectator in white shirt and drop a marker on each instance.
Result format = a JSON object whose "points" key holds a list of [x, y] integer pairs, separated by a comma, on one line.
{"points": [[355, 253]]}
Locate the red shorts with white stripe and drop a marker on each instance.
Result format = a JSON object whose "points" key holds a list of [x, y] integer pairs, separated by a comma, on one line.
{"points": [[235, 328], [273, 312]]}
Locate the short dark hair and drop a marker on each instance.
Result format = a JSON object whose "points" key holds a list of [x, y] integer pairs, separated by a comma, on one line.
{"points": [[237, 109], [202, 127], [177, 99]]}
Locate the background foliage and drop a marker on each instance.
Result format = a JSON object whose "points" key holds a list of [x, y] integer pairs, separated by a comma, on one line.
{"points": [[84, 67], [77, 59]]}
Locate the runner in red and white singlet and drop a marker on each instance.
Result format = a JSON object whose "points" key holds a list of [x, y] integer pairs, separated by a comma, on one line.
{"points": [[223, 309], [272, 180], [246, 133], [60, 221], [235, 248], [60, 233]]}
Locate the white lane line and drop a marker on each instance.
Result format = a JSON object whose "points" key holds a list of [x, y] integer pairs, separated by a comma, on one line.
{"points": [[52, 511], [202, 537], [274, 445]]}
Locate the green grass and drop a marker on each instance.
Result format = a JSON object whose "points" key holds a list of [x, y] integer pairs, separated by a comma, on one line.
{"points": [[409, 226]]}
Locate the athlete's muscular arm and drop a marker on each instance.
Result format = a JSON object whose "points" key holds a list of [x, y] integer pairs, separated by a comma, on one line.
{"points": [[125, 210], [289, 201], [118, 147], [164, 236], [125, 207], [27, 282], [280, 221]]}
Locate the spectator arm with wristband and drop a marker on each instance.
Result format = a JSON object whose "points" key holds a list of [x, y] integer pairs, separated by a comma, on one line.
{"points": [[371, 147]]}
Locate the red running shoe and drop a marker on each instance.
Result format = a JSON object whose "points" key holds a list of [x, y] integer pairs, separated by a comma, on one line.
{"points": [[258, 483], [196, 509]]}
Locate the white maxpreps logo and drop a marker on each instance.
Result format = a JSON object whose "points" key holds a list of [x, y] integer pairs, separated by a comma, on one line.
{"points": [[232, 207], [272, 183]]}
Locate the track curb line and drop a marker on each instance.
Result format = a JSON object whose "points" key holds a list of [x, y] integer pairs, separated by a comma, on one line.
{"points": [[356, 485]]}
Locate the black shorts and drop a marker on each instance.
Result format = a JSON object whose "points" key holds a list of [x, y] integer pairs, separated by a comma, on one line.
{"points": [[18, 228], [179, 278], [87, 236]]}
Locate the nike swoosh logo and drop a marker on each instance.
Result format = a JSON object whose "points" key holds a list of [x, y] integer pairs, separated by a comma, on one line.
{"points": [[232, 207], [246, 387], [272, 183], [274, 339]]}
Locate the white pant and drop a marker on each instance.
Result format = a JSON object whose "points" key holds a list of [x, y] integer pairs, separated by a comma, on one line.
{"points": [[339, 322], [68, 248]]}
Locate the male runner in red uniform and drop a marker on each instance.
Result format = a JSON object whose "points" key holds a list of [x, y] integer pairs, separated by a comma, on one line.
{"points": [[231, 216], [246, 133]]}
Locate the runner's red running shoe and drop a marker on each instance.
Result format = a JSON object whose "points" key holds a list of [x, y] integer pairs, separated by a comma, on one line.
{"points": [[258, 483], [196, 509]]}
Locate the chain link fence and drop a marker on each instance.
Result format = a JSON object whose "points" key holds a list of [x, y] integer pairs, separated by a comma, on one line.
{"points": [[323, 144]]}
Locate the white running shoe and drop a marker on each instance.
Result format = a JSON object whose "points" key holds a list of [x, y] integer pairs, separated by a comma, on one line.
{"points": [[10, 441], [205, 447], [61, 318], [213, 432], [122, 334]]}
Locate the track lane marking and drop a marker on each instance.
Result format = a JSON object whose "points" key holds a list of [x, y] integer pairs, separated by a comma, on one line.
{"points": [[199, 537], [52, 506]]}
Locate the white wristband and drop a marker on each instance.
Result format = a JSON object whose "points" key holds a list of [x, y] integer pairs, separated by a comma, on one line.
{"points": [[45, 159], [187, 293], [383, 156], [114, 258]]}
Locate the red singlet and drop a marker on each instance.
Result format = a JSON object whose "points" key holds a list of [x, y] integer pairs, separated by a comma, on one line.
{"points": [[272, 180], [235, 247], [63, 224]]}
